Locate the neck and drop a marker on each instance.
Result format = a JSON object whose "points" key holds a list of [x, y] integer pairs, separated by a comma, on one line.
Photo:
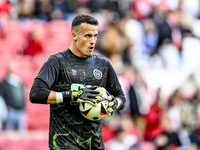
{"points": [[73, 50]]}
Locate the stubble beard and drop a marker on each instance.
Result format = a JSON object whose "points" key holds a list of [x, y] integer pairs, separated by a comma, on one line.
{"points": [[90, 55]]}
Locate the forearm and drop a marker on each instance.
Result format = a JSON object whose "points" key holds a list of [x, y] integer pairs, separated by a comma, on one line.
{"points": [[119, 95], [58, 97], [52, 98], [41, 94]]}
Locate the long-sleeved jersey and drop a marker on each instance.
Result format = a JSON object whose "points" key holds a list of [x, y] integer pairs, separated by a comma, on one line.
{"points": [[65, 71]]}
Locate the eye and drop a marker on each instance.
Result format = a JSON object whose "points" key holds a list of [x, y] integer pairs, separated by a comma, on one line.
{"points": [[88, 35]]}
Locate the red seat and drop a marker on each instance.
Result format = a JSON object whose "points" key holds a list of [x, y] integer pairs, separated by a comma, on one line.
{"points": [[58, 36], [6, 143], [13, 33], [37, 116]]}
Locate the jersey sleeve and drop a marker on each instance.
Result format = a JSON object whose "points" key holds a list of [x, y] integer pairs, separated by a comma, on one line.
{"points": [[49, 71], [113, 86], [46, 77]]}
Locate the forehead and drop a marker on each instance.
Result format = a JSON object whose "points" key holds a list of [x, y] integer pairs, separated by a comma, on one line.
{"points": [[85, 28]]}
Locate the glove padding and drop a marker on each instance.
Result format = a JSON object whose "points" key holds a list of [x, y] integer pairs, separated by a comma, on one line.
{"points": [[112, 105], [113, 102], [86, 94]]}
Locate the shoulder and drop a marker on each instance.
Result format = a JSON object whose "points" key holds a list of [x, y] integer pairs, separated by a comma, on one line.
{"points": [[102, 61], [59, 54], [52, 60], [100, 58], [56, 57]]}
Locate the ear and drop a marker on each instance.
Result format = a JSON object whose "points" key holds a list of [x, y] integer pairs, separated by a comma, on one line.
{"points": [[74, 36]]}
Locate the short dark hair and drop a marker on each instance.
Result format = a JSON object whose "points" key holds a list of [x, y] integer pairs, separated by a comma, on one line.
{"points": [[84, 18]]}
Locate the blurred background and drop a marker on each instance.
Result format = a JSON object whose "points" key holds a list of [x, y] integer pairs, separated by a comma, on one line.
{"points": [[153, 45]]}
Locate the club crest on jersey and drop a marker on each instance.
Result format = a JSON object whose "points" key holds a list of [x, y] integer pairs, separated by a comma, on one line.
{"points": [[97, 73]]}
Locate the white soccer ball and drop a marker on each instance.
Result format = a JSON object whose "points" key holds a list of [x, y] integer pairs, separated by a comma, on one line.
{"points": [[95, 112]]}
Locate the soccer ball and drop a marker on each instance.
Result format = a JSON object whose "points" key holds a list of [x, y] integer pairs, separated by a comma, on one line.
{"points": [[95, 112]]}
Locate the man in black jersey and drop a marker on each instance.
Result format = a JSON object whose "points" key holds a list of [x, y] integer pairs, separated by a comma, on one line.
{"points": [[70, 77]]}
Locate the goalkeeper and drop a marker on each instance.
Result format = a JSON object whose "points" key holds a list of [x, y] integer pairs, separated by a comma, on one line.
{"points": [[70, 77]]}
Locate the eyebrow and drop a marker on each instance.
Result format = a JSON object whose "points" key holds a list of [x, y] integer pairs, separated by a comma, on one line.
{"points": [[90, 34]]}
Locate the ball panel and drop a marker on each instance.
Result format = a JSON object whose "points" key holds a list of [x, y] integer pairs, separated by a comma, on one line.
{"points": [[85, 113], [103, 110], [85, 106], [94, 113], [95, 118]]}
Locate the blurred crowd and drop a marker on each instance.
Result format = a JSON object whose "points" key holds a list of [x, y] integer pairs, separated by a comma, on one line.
{"points": [[153, 45]]}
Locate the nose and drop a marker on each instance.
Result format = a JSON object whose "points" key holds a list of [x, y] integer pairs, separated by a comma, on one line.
{"points": [[93, 40]]}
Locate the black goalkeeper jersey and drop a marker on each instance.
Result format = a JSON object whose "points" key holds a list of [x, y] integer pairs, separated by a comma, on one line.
{"points": [[63, 72]]}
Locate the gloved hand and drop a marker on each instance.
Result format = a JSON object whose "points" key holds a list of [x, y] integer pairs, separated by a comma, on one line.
{"points": [[112, 105], [85, 94]]}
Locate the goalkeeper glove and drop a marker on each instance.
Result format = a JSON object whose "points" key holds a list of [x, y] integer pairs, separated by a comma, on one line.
{"points": [[113, 105], [82, 95]]}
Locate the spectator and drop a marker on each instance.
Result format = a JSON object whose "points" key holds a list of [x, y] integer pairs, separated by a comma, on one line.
{"points": [[139, 97], [196, 102], [153, 118], [56, 14], [151, 36], [5, 8], [126, 77], [115, 41], [26, 9], [191, 112], [42, 9], [127, 135], [99, 5], [119, 142], [2, 33], [131, 130], [66, 7], [34, 45], [110, 127], [174, 110], [163, 28], [169, 138], [141, 9], [195, 135], [12, 90], [139, 56]]}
